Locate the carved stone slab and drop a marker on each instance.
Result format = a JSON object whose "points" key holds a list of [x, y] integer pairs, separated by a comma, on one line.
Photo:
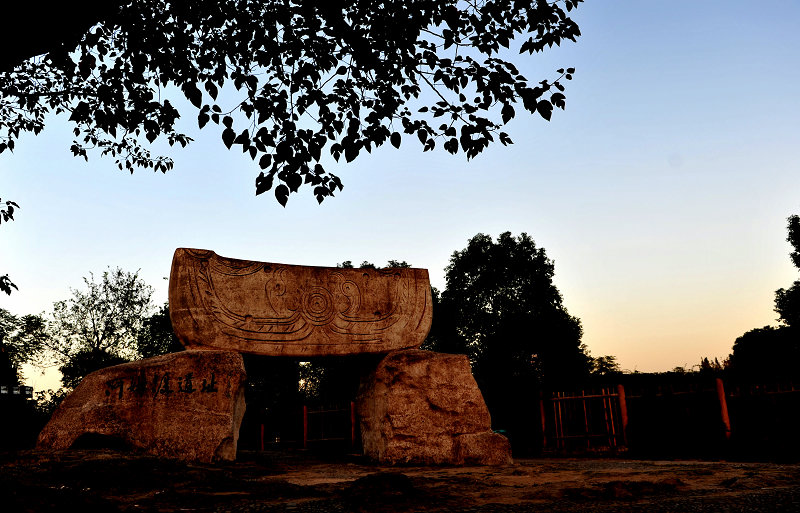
{"points": [[292, 310], [425, 408], [186, 405]]}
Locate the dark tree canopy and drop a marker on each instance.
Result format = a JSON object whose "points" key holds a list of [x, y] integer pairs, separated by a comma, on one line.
{"points": [[766, 354], [787, 301], [787, 305], [309, 76], [100, 325], [19, 338], [506, 313], [156, 336], [773, 352], [501, 308], [793, 238], [109, 321]]}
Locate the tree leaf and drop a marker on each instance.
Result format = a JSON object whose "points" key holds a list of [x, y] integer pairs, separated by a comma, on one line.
{"points": [[228, 135], [193, 94], [545, 109], [507, 113], [282, 194], [202, 119]]}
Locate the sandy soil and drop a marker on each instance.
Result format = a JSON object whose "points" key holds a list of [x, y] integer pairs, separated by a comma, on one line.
{"points": [[102, 480]]}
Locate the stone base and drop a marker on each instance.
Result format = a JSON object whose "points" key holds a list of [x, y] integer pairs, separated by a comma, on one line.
{"points": [[424, 408], [186, 405]]}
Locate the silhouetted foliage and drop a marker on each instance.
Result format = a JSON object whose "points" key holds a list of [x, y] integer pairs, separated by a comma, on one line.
{"points": [[766, 354], [106, 324], [605, 367], [9, 368], [6, 284], [340, 76], [85, 362], [6, 215], [787, 301], [156, 337], [7, 211], [709, 368], [501, 308], [20, 337], [21, 417], [507, 314], [787, 304], [793, 238], [97, 326], [771, 353]]}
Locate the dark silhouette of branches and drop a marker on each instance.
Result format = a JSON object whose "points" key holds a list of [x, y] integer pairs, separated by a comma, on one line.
{"points": [[309, 76]]}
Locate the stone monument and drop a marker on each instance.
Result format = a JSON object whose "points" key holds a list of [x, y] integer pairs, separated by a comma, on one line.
{"points": [[416, 407], [423, 407], [294, 310], [186, 405]]}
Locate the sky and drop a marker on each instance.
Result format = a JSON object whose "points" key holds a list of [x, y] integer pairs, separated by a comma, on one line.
{"points": [[661, 193]]}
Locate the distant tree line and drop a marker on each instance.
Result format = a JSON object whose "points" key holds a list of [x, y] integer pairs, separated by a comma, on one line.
{"points": [[110, 320], [769, 354]]}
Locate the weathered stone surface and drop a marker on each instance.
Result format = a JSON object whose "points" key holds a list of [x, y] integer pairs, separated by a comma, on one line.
{"points": [[292, 310], [485, 448], [186, 405], [425, 408]]}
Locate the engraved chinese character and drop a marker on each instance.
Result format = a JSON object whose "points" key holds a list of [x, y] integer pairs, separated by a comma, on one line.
{"points": [[161, 385], [138, 384], [115, 384], [185, 384], [211, 386]]}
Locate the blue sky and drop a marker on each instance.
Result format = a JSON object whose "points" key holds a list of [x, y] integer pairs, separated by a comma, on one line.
{"points": [[661, 193]]}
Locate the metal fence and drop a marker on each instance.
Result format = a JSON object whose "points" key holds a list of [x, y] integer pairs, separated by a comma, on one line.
{"points": [[584, 421]]}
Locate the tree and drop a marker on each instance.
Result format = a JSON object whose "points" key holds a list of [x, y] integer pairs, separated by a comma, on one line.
{"points": [[501, 308], [605, 366], [98, 326], [341, 76], [9, 369], [19, 338], [766, 354], [787, 301], [771, 352], [506, 309], [157, 336]]}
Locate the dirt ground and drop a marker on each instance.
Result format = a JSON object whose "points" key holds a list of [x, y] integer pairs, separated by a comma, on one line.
{"points": [[104, 480]]}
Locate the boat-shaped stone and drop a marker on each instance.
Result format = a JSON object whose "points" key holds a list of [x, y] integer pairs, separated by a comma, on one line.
{"points": [[293, 310]]}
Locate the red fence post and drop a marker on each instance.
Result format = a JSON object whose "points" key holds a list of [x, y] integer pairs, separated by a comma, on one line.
{"points": [[723, 409], [623, 413], [543, 419], [262, 437]]}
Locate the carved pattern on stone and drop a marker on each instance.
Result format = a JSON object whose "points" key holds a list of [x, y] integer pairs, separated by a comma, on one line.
{"points": [[296, 310]]}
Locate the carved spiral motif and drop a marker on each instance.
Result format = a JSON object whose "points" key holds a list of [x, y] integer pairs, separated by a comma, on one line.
{"points": [[318, 306]]}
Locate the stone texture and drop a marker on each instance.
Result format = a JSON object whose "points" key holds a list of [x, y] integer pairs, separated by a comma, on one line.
{"points": [[186, 405], [424, 408], [291, 310], [485, 448]]}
